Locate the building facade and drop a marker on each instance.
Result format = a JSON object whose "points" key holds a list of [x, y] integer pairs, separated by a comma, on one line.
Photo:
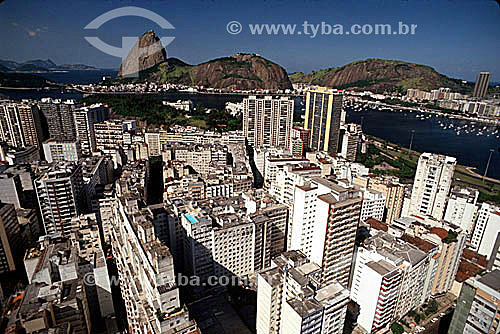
{"points": [[323, 118]]}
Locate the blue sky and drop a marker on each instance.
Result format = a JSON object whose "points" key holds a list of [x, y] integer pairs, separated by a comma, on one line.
{"points": [[458, 38]]}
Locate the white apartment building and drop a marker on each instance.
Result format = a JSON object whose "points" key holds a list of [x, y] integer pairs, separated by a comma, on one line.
{"points": [[59, 190], [288, 177], [324, 224], [85, 118], [61, 150], [486, 229], [462, 208], [375, 289], [147, 278], [153, 141], [272, 165], [109, 135], [450, 242], [389, 280], [268, 121], [291, 300], [432, 185], [372, 206], [231, 236]]}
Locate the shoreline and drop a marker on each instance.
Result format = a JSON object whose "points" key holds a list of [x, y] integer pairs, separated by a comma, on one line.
{"points": [[392, 107], [469, 170]]}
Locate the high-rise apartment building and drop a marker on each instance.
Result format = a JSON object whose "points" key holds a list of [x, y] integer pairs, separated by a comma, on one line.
{"points": [[84, 119], [20, 124], [109, 135], [324, 224], [153, 141], [323, 118], [11, 130], [461, 208], [59, 189], [391, 276], [486, 229], [478, 306], [481, 87], [432, 185], [62, 150], [391, 189], [376, 291], [210, 227], [291, 299], [299, 141], [59, 116], [372, 206], [448, 241], [147, 277], [350, 139], [268, 121], [9, 237]]}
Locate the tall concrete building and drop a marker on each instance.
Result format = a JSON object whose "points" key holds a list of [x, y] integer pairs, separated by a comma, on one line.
{"points": [[59, 116], [391, 189], [109, 135], [324, 224], [11, 130], [11, 189], [20, 124], [478, 306], [372, 206], [56, 293], [60, 196], [84, 119], [481, 87], [486, 229], [146, 271], [432, 185], [350, 139], [209, 226], [61, 150], [153, 142], [462, 208], [268, 121], [9, 237], [323, 118], [299, 141], [291, 299]]}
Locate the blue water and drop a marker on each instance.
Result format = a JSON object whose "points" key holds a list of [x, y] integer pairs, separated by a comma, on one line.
{"points": [[78, 77], [470, 149]]}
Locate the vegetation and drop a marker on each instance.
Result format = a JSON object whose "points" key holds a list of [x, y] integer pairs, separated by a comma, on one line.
{"points": [[23, 80], [374, 157], [488, 190], [152, 111], [451, 237], [381, 71], [396, 328], [432, 307]]}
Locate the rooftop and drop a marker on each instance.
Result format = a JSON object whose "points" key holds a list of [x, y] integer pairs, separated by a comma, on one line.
{"points": [[492, 280]]}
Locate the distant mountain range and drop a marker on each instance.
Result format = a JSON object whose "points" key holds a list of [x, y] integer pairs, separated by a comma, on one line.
{"points": [[239, 71], [39, 65], [251, 71]]}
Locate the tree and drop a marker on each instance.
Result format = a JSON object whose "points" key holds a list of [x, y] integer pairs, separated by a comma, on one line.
{"points": [[396, 328], [433, 306]]}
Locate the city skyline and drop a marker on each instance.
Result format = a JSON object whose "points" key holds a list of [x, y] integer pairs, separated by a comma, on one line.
{"points": [[200, 33]]}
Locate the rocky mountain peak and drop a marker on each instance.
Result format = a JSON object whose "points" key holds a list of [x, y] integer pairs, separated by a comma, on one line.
{"points": [[146, 53]]}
